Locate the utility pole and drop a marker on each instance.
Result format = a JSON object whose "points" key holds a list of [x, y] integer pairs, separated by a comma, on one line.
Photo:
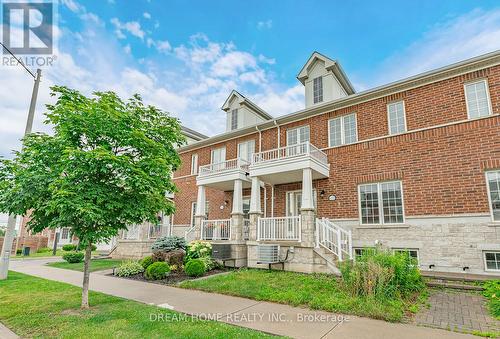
{"points": [[11, 224]]}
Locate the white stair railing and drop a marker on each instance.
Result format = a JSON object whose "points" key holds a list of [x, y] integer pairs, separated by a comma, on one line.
{"points": [[279, 228], [189, 235], [334, 238], [216, 229]]}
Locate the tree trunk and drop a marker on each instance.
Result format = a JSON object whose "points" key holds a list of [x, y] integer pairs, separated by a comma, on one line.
{"points": [[86, 275]]}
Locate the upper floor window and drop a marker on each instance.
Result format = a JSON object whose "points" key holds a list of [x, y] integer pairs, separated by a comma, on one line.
{"points": [[218, 155], [342, 130], [194, 163], [493, 181], [477, 99], [381, 203], [317, 90], [396, 117], [234, 119], [297, 135], [246, 150]]}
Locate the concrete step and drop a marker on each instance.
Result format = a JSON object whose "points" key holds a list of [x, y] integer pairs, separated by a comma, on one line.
{"points": [[329, 258], [456, 286]]}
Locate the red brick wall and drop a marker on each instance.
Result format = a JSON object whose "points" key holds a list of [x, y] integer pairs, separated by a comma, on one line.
{"points": [[442, 169]]}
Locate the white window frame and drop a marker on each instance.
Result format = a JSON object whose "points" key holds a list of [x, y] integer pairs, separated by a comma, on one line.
{"points": [[234, 122], [212, 154], [488, 191], [389, 117], [485, 81], [342, 130], [287, 200], [381, 205], [401, 249], [484, 260], [252, 141], [194, 163], [193, 211], [288, 131], [320, 89]]}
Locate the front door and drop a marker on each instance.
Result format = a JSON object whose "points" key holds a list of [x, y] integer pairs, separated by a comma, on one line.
{"points": [[294, 202]]}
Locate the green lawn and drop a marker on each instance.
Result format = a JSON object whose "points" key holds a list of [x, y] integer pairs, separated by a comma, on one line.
{"points": [[35, 307], [95, 265], [316, 291], [39, 255]]}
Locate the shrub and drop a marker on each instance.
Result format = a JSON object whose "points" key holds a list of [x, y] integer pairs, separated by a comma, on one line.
{"points": [[198, 249], [129, 268], [170, 243], [69, 247], [175, 257], [381, 274], [158, 270], [19, 251], [73, 257], [209, 263], [492, 292], [82, 247], [43, 250], [195, 268], [146, 261]]}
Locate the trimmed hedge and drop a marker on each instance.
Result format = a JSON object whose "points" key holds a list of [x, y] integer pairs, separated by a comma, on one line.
{"points": [[69, 247], [146, 261], [129, 268], [195, 268], [73, 257], [156, 271]]}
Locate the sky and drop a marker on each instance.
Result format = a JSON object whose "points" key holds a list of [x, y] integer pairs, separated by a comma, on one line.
{"points": [[185, 57]]}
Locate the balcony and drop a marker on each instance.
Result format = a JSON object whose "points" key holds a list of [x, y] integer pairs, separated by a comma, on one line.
{"points": [[222, 175], [216, 229], [285, 164]]}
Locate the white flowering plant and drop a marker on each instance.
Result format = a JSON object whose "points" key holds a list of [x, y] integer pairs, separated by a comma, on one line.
{"points": [[198, 249]]}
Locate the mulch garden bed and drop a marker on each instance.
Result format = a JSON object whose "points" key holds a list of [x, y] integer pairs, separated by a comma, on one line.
{"points": [[174, 277]]}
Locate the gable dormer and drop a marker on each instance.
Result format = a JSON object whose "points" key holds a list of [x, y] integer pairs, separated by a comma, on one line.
{"points": [[323, 80], [241, 112]]}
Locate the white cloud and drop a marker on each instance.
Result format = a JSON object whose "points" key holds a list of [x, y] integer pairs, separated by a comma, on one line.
{"points": [[127, 49], [73, 5], [146, 15], [132, 27], [267, 24], [460, 38], [163, 46]]}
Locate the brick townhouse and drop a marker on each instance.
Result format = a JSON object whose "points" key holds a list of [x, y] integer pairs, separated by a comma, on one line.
{"points": [[411, 166]]}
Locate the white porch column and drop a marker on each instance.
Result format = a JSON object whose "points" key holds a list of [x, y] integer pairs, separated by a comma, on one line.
{"points": [[307, 209], [307, 190], [238, 197], [200, 213], [237, 213], [255, 208]]}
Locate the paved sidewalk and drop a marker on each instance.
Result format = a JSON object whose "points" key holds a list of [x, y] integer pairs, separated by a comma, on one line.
{"points": [[458, 310], [264, 316], [5, 333]]}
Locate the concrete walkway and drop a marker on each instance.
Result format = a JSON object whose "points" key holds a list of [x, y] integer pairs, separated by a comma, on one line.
{"points": [[264, 316]]}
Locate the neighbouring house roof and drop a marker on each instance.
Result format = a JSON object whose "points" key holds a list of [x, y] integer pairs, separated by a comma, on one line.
{"points": [[455, 69], [245, 101], [193, 134], [330, 65]]}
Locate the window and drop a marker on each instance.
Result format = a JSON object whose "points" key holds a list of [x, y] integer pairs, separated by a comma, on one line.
{"points": [[65, 233], [234, 119], [493, 182], [297, 135], [218, 155], [492, 260], [194, 163], [381, 203], [396, 117], [477, 99], [193, 211], [359, 252], [155, 230], [317, 90], [412, 253], [246, 150], [343, 130]]}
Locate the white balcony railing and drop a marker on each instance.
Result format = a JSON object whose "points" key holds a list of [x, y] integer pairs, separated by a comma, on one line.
{"points": [[227, 165], [279, 228], [216, 229], [291, 151], [334, 238]]}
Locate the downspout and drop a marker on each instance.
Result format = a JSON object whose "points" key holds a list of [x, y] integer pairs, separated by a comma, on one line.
{"points": [[272, 201], [279, 133], [260, 138], [265, 201]]}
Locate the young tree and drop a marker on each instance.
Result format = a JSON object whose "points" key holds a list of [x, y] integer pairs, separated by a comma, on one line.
{"points": [[108, 165]]}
